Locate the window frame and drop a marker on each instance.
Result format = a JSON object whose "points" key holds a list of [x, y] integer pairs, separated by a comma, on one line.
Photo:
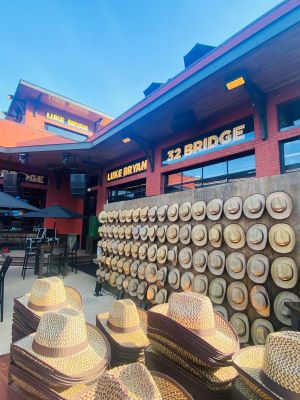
{"points": [[283, 169]]}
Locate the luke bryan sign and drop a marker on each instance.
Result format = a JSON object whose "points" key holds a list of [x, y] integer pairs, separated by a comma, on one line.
{"points": [[235, 133], [133, 168]]}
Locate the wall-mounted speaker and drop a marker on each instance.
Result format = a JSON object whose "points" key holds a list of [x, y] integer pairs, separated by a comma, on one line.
{"points": [[11, 183], [78, 185]]}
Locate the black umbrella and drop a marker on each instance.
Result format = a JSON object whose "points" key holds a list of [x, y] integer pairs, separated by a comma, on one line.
{"points": [[7, 201], [55, 212]]}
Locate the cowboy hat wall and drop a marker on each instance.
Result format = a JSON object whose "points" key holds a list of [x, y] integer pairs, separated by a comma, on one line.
{"points": [[260, 300], [237, 296], [134, 268], [172, 212], [215, 235], [144, 232], [185, 213], [254, 206], [240, 322], [200, 284], [236, 265], [221, 310], [161, 276], [257, 237], [152, 252], [198, 210], [152, 212], [173, 233], [284, 272], [151, 293], [216, 262], [258, 268], [214, 209], [185, 234], [173, 255], [199, 235], [142, 270], [144, 214], [234, 236], [136, 232], [200, 260], [185, 257], [161, 233], [217, 290], [150, 272], [186, 281], [233, 208], [174, 278], [152, 232], [132, 287], [282, 238], [279, 205], [282, 312], [161, 296], [143, 249], [136, 214], [162, 213], [260, 329], [162, 254], [142, 290]]}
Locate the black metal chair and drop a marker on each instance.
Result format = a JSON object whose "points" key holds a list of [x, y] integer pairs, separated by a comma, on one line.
{"points": [[57, 259], [73, 256], [31, 253], [3, 270]]}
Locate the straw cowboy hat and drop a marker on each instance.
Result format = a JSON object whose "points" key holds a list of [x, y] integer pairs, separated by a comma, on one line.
{"points": [[162, 212], [120, 264], [110, 231], [215, 235], [144, 232], [104, 244], [172, 212], [142, 270], [236, 265], [122, 215], [135, 249], [144, 214], [173, 255], [152, 233], [200, 260], [260, 300], [123, 324], [152, 212], [234, 236], [152, 252], [198, 210], [151, 293], [116, 231], [200, 284], [284, 272], [185, 257], [108, 261], [142, 290], [126, 266], [233, 208], [282, 238], [127, 248], [121, 232], [217, 290], [119, 281], [161, 296], [174, 278], [128, 232], [258, 268], [186, 281], [132, 287], [222, 311], [282, 312], [136, 214], [185, 234], [279, 205], [102, 217], [161, 276], [257, 237], [109, 245], [240, 322], [150, 272], [134, 268], [260, 329], [161, 233], [237, 296], [114, 263], [107, 275], [185, 213], [199, 235], [272, 370], [143, 251], [214, 209], [173, 233], [115, 246], [110, 217], [254, 206], [216, 262], [126, 283], [115, 215], [136, 232], [162, 254]]}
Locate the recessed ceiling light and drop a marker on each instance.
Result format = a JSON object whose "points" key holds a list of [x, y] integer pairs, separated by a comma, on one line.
{"points": [[126, 140]]}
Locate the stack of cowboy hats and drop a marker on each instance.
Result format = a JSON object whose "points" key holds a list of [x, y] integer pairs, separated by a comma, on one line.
{"points": [[186, 332], [125, 328], [62, 360], [47, 294]]}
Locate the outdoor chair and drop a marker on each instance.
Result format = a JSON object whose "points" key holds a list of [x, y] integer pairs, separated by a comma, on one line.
{"points": [[72, 256], [3, 270], [56, 260], [30, 258]]}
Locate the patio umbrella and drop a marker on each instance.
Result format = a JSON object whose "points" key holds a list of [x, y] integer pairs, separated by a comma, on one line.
{"points": [[7, 201], [55, 212]]}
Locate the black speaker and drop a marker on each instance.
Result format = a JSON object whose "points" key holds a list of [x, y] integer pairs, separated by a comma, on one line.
{"points": [[78, 185], [183, 121], [11, 183]]}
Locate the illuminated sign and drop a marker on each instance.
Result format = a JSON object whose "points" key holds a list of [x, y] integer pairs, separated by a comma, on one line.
{"points": [[133, 168], [237, 132], [28, 177], [66, 121]]}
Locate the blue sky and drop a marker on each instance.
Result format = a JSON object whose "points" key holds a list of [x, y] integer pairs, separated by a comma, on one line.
{"points": [[104, 53]]}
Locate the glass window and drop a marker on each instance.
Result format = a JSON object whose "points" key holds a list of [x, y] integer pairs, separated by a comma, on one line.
{"points": [[215, 170], [241, 164], [65, 133], [291, 155], [130, 191], [289, 114]]}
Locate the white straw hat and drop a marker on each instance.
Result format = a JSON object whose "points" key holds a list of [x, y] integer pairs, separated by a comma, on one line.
{"points": [[217, 290], [173, 212], [260, 329], [162, 212], [258, 268], [152, 212], [185, 213], [234, 236], [174, 278], [282, 312], [257, 237], [185, 257], [237, 295], [200, 284], [236, 265], [284, 272], [200, 260], [282, 238], [216, 262], [215, 235], [214, 209], [186, 281], [198, 210], [233, 208], [279, 205], [260, 300], [199, 235], [240, 322], [185, 233], [254, 206]]}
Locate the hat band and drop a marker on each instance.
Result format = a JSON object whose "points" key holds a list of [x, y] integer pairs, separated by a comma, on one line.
{"points": [[119, 329], [278, 389], [58, 352], [204, 331], [53, 307]]}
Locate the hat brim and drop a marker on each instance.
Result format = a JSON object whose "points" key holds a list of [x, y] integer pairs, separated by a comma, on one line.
{"points": [[168, 388]]}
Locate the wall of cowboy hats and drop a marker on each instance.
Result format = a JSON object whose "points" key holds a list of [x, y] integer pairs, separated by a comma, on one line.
{"points": [[238, 243]]}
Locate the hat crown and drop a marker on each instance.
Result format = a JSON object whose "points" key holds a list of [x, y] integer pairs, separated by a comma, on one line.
{"points": [[217, 290], [173, 277], [172, 210], [184, 209], [144, 212], [216, 261], [47, 292], [143, 249], [161, 252], [198, 208], [186, 282], [161, 212], [282, 237], [285, 271], [213, 207], [260, 301], [141, 289], [238, 295], [234, 235], [172, 232], [199, 259], [258, 267], [239, 326], [255, 235], [279, 204], [151, 292], [199, 232], [171, 255], [151, 231], [236, 264], [152, 212], [254, 204], [152, 251], [199, 286], [184, 232], [214, 234], [261, 334], [233, 206], [124, 314], [160, 276]]}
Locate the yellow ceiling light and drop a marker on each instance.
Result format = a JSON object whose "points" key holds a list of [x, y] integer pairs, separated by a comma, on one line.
{"points": [[235, 82], [126, 140]]}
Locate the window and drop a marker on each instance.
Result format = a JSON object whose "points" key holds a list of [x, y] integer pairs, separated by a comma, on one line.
{"points": [[130, 191], [65, 133], [290, 155], [212, 174], [289, 115]]}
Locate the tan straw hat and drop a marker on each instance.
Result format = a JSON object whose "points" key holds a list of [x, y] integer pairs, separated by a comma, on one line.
{"points": [[200, 260], [258, 268], [233, 208], [240, 322], [142, 270], [150, 272], [186, 281], [151, 293], [128, 231], [161, 233], [161, 276], [116, 231], [260, 300], [108, 260], [110, 217], [215, 235], [236, 265], [279, 205], [284, 272], [221, 310], [152, 252], [152, 212], [144, 214], [199, 235], [162, 212], [172, 212], [136, 232], [254, 206], [217, 290], [260, 329], [102, 217], [214, 209], [200, 284], [282, 312], [122, 231], [282, 238], [135, 249], [114, 263], [185, 234], [119, 282], [115, 246], [120, 264], [185, 212], [132, 287], [121, 246], [144, 232], [173, 255], [185, 257], [109, 231], [161, 296], [122, 215], [198, 210], [143, 251], [237, 295], [152, 232], [127, 248], [234, 236], [115, 215], [134, 268], [257, 237], [174, 278], [127, 265], [142, 290], [126, 283], [216, 262], [162, 254], [136, 214], [173, 233]]}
